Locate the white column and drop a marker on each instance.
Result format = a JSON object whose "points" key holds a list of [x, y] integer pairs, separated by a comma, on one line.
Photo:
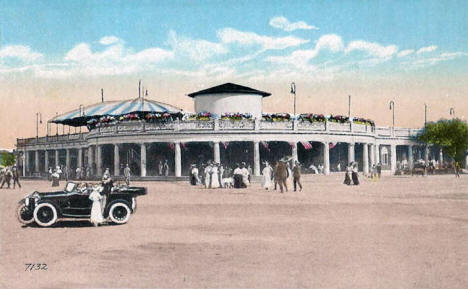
{"points": [[25, 157], [80, 158], [99, 160], [294, 152], [372, 154], [365, 158], [377, 154], [143, 159], [90, 157], [216, 154], [441, 157], [256, 158], [466, 161], [326, 158], [410, 157], [116, 160], [36, 161], [178, 159], [46, 161], [350, 152], [67, 158], [393, 158], [57, 161]]}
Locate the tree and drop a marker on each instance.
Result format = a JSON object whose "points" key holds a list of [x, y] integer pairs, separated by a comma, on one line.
{"points": [[8, 159], [451, 135]]}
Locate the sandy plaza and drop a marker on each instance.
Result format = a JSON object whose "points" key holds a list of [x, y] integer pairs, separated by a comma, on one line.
{"points": [[398, 232]]}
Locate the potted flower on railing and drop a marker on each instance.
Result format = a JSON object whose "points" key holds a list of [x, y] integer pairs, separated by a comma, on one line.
{"points": [[338, 118], [275, 117], [236, 116], [157, 117], [91, 124], [360, 120], [312, 117], [129, 117], [200, 116]]}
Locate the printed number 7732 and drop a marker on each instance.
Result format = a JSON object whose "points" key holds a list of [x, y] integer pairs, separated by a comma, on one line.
{"points": [[34, 266]]}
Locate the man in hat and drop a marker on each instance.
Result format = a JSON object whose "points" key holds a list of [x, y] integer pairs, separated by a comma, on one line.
{"points": [[297, 176], [15, 177]]}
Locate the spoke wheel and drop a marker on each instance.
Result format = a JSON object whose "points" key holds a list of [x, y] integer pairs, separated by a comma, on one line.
{"points": [[119, 213], [45, 215], [24, 214]]}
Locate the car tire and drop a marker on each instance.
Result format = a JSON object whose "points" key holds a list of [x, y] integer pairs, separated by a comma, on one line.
{"points": [[45, 214], [24, 214], [119, 213]]}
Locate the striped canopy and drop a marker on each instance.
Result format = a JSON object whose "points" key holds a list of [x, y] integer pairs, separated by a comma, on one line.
{"points": [[79, 117]]}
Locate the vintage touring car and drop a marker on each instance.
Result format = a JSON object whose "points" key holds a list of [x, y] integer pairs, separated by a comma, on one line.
{"points": [[73, 203]]}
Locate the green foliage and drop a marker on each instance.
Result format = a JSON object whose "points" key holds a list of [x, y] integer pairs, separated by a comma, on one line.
{"points": [[7, 159], [451, 135]]}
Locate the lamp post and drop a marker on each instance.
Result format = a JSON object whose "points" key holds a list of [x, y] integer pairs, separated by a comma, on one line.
{"points": [[38, 120], [392, 108], [425, 114], [81, 113], [56, 124], [452, 112], [293, 91], [349, 106]]}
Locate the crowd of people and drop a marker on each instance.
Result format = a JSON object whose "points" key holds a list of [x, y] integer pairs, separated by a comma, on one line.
{"points": [[8, 175], [214, 175]]}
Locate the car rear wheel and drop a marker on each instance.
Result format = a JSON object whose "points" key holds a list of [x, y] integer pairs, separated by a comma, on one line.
{"points": [[25, 214], [119, 213], [45, 214]]}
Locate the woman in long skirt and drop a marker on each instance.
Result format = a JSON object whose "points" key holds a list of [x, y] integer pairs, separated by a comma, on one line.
{"points": [[96, 210], [266, 172], [214, 177], [55, 179], [347, 180], [354, 174]]}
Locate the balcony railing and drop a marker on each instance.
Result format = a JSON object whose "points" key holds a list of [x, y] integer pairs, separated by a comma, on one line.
{"points": [[139, 127]]}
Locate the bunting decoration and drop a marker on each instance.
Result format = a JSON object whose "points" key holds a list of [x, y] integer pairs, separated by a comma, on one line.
{"points": [[306, 145], [332, 145], [265, 145], [292, 144], [171, 146], [225, 144], [184, 147]]}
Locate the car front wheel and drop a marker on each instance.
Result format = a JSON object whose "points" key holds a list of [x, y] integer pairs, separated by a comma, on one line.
{"points": [[45, 214], [119, 213], [24, 214]]}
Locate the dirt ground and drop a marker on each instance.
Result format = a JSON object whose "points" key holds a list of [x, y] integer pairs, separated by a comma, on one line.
{"points": [[399, 232]]}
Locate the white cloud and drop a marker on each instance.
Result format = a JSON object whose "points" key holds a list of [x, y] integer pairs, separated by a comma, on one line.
{"points": [[231, 35], [331, 42], [283, 23], [107, 40], [426, 49], [423, 62], [372, 48], [197, 50], [20, 52], [406, 52]]}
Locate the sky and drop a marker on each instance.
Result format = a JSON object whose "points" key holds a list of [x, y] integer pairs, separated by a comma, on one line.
{"points": [[56, 55]]}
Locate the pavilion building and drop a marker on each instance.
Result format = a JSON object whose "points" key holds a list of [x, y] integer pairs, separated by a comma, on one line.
{"points": [[228, 126]]}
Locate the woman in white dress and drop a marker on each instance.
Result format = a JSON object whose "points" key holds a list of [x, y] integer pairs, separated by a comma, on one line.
{"points": [[214, 177], [96, 211], [207, 172], [266, 172]]}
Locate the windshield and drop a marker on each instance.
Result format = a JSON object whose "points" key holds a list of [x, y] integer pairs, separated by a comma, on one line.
{"points": [[70, 187]]}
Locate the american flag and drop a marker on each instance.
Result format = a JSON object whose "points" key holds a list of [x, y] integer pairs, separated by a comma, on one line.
{"points": [[265, 145], [332, 145], [225, 144], [306, 145]]}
